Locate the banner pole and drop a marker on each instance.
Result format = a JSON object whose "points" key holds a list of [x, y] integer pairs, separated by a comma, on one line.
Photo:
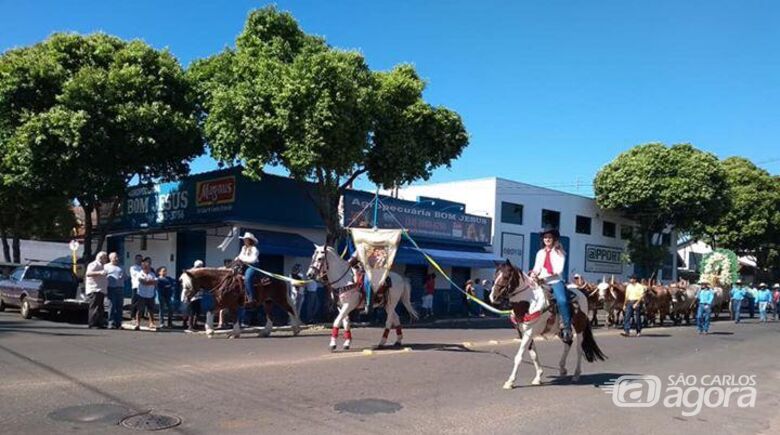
{"points": [[376, 207]]}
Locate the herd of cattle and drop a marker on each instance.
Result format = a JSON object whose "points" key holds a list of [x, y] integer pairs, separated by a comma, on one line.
{"points": [[676, 301]]}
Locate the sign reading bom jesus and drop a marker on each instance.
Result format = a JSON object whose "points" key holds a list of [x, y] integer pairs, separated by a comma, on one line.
{"points": [[603, 259]]}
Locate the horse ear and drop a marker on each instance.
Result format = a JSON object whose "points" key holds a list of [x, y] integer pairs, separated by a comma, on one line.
{"points": [[508, 263]]}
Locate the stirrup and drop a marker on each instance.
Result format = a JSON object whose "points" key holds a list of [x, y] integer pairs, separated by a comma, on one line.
{"points": [[566, 335]]}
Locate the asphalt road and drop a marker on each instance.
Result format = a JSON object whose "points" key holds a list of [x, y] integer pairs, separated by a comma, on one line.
{"points": [[62, 378]]}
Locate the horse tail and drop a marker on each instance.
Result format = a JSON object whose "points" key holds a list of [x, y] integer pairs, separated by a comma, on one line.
{"points": [[406, 298], [589, 346]]}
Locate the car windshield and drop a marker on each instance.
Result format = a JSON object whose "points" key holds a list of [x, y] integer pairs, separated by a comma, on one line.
{"points": [[49, 274]]}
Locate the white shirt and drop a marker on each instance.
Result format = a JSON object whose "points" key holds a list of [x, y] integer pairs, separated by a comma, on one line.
{"points": [[116, 276], [94, 284], [134, 271], [249, 254], [146, 290], [558, 261]]}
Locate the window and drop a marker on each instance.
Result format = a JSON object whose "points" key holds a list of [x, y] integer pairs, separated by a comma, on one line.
{"points": [[551, 218], [583, 225], [626, 232], [694, 260], [609, 229], [17, 275], [511, 213]]}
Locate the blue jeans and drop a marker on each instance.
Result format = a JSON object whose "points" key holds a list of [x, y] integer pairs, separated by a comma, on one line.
{"points": [[249, 279], [736, 307], [636, 314], [762, 310], [312, 306], [165, 300], [116, 299], [559, 291], [703, 318]]}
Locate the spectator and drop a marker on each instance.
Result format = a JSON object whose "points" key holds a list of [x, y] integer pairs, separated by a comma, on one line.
{"points": [[469, 292], [738, 293], [764, 298], [706, 296], [166, 286], [116, 291], [479, 294], [96, 287], [776, 299], [752, 294], [147, 286], [134, 271], [633, 306], [193, 305], [312, 302], [297, 292], [427, 299]]}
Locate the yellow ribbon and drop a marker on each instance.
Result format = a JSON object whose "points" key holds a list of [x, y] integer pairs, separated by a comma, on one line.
{"points": [[294, 282]]}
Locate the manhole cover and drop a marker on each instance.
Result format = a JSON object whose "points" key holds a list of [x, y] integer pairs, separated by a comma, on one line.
{"points": [[151, 421], [368, 406], [95, 413]]}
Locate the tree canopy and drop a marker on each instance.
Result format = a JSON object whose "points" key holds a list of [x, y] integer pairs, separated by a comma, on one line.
{"points": [[80, 116], [283, 97], [661, 186]]}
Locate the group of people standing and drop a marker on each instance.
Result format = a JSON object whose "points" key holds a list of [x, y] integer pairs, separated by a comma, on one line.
{"points": [[761, 297]]}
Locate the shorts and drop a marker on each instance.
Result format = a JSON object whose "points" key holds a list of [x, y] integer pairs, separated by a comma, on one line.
{"points": [[193, 309], [144, 303], [427, 302]]}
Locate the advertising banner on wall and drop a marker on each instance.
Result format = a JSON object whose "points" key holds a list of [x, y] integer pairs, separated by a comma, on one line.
{"points": [[512, 248], [603, 259], [420, 219]]}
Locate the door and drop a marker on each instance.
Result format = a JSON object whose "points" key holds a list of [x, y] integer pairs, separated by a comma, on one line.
{"points": [[536, 244], [190, 246], [416, 275]]}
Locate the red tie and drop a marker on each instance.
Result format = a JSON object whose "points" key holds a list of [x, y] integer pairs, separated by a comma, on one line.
{"points": [[547, 262]]}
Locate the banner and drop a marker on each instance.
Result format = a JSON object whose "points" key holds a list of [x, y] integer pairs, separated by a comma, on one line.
{"points": [[603, 259], [376, 249]]}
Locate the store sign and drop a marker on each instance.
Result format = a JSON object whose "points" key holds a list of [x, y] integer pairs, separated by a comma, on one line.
{"points": [[215, 192], [512, 248], [419, 219], [603, 259]]}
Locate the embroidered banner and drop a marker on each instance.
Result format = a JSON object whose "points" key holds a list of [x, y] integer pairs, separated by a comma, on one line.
{"points": [[376, 249]]}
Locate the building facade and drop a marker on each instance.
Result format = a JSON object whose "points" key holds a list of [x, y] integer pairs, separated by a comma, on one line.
{"points": [[595, 239]]}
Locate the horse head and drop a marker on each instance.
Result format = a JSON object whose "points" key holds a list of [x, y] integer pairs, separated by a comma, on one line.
{"points": [[603, 288], [506, 279], [318, 268]]}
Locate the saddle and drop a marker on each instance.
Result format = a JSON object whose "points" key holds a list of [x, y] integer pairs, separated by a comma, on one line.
{"points": [[379, 297]]}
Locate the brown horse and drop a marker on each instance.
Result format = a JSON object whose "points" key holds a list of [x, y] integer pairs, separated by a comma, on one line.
{"points": [[227, 287], [592, 293]]}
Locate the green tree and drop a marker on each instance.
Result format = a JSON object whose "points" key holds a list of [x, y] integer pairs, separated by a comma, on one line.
{"points": [[283, 97], [661, 187], [750, 225], [81, 116]]}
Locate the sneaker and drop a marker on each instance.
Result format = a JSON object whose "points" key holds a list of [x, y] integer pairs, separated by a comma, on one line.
{"points": [[638, 334]]}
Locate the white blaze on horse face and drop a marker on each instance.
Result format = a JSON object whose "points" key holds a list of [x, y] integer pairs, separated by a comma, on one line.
{"points": [[603, 287], [316, 262], [493, 290]]}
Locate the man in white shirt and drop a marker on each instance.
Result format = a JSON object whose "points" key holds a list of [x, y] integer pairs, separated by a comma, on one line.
{"points": [[147, 287], [297, 293], [116, 290], [96, 287]]}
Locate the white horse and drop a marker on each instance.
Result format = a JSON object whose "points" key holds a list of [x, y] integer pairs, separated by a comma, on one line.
{"points": [[328, 267], [532, 319]]}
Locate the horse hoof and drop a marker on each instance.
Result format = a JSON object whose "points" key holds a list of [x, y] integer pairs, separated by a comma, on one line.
{"points": [[536, 382], [346, 347], [209, 332], [508, 385], [332, 347]]}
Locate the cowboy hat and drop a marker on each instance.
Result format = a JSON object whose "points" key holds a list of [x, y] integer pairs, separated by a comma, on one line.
{"points": [[250, 236], [549, 229], [776, 286], [739, 281], [763, 284]]}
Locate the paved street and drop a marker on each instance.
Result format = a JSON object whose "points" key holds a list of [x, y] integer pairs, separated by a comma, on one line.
{"points": [[287, 384]]}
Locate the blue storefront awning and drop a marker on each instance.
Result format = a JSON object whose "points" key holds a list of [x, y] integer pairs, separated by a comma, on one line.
{"points": [[470, 259], [274, 243]]}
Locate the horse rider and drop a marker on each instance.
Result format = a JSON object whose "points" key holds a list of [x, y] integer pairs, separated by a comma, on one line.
{"points": [[249, 258], [549, 264]]}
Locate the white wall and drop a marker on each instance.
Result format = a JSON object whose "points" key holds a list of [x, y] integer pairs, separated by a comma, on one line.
{"points": [[160, 247], [44, 251]]}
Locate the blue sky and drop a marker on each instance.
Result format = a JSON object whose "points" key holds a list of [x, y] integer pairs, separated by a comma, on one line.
{"points": [[549, 90]]}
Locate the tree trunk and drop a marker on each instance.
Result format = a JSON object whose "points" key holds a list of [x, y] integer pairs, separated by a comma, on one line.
{"points": [[88, 231], [15, 243], [102, 229], [6, 247]]}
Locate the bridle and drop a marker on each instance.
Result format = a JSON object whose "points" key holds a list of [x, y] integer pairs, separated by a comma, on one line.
{"points": [[321, 270], [513, 282]]}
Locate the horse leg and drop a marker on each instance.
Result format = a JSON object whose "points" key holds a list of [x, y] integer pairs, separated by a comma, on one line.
{"points": [[210, 322], [393, 320], [509, 384], [347, 333], [267, 308], [537, 365], [562, 363], [343, 312], [292, 311], [236, 326], [578, 369]]}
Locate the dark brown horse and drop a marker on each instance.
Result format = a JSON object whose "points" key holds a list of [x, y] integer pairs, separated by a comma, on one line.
{"points": [[227, 287]]}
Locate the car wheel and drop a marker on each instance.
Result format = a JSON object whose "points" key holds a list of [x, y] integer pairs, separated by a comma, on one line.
{"points": [[26, 311]]}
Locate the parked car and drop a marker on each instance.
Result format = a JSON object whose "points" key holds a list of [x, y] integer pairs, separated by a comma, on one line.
{"points": [[34, 288]]}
